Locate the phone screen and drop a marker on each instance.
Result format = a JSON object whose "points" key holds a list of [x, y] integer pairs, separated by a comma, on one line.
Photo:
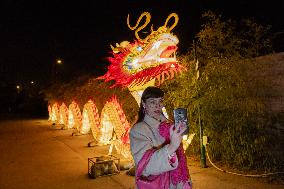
{"points": [[180, 115]]}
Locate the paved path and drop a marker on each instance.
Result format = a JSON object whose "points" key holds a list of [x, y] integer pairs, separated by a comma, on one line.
{"points": [[36, 156]]}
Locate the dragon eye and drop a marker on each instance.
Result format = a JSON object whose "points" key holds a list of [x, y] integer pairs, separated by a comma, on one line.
{"points": [[139, 48]]}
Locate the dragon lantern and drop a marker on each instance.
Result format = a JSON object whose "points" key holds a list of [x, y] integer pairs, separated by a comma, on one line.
{"points": [[136, 65], [141, 63], [144, 60]]}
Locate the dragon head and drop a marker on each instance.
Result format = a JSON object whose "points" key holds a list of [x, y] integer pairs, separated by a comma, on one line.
{"points": [[145, 59]]}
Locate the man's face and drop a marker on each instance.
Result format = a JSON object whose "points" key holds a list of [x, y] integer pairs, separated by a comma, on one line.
{"points": [[153, 106]]}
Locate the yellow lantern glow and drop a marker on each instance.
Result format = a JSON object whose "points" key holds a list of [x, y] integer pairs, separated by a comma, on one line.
{"points": [[186, 140], [106, 130], [115, 127], [71, 121], [55, 113], [63, 114], [76, 115], [85, 123], [91, 120]]}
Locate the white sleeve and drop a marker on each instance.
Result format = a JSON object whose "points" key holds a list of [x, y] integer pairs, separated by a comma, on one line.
{"points": [[159, 162]]}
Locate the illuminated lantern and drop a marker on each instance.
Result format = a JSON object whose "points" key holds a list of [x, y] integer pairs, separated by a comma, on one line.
{"points": [[71, 121], [74, 116], [85, 127], [187, 139], [121, 148], [49, 113], [114, 122], [135, 64], [55, 113], [63, 115], [91, 120], [106, 129], [145, 62]]}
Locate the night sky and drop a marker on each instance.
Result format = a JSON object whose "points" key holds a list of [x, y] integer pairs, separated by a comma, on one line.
{"points": [[33, 34]]}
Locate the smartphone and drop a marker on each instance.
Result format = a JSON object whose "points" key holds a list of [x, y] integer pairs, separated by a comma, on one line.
{"points": [[180, 115]]}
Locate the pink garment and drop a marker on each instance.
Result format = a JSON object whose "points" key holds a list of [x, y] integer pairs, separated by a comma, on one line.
{"points": [[180, 174], [161, 181]]}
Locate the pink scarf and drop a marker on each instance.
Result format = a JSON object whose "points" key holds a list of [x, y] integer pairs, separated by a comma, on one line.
{"points": [[161, 181], [180, 174]]}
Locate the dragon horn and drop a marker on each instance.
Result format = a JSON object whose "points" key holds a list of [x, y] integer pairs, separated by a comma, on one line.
{"points": [[152, 28], [175, 23], [148, 18], [115, 49]]}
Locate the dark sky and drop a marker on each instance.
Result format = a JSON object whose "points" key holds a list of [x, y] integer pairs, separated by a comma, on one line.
{"points": [[33, 34]]}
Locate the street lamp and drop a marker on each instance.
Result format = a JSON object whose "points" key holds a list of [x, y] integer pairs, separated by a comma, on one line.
{"points": [[59, 61], [18, 87], [55, 69]]}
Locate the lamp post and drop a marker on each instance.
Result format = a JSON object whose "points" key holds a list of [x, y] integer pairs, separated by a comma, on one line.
{"points": [[54, 72], [59, 61], [202, 147], [18, 87]]}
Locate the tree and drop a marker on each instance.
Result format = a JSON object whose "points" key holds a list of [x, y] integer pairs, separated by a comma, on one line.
{"points": [[224, 83]]}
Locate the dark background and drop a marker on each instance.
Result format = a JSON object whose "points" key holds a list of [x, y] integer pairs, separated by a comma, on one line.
{"points": [[34, 34]]}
